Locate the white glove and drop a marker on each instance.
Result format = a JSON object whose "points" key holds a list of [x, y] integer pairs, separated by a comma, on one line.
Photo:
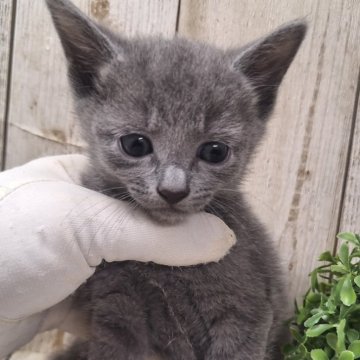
{"points": [[53, 233]]}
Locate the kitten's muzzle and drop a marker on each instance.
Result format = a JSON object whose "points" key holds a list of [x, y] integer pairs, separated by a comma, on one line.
{"points": [[172, 197], [173, 185]]}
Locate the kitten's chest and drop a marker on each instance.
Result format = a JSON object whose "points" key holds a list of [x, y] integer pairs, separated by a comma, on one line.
{"points": [[185, 297], [169, 305]]}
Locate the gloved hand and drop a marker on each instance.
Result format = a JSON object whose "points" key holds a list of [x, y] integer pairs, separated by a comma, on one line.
{"points": [[53, 233]]}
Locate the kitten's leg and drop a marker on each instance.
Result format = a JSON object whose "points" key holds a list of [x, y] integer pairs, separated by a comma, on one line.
{"points": [[118, 329], [233, 338], [278, 337], [166, 333], [178, 349]]}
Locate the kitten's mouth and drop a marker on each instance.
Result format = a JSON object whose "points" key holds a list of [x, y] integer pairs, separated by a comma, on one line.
{"points": [[167, 215]]}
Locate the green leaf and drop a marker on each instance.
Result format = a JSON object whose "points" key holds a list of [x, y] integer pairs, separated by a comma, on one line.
{"points": [[302, 315], [296, 335], [314, 280], [288, 349], [318, 329], [338, 288], [330, 304], [295, 356], [318, 354], [347, 293], [351, 237], [340, 345], [326, 256], [344, 254], [313, 320], [347, 355], [349, 310], [329, 352], [352, 335], [329, 318], [343, 311], [299, 353], [313, 298], [339, 268], [331, 339], [355, 348]]}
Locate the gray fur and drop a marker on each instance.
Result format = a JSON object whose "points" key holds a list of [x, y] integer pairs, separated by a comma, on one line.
{"points": [[180, 94]]}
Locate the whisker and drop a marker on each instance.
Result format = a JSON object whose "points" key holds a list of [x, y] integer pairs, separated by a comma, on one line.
{"points": [[249, 195], [213, 210]]}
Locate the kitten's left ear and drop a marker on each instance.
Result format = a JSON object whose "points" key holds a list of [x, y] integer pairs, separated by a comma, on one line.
{"points": [[85, 44], [266, 61]]}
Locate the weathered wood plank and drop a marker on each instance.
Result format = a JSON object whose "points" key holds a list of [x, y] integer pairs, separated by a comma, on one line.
{"points": [[5, 34], [350, 220], [41, 121], [296, 180]]}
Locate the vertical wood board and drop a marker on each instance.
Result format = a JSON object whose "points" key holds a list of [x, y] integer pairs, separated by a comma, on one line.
{"points": [[296, 179], [5, 34], [41, 120], [350, 220]]}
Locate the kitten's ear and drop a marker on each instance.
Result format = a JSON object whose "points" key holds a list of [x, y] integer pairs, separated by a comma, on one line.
{"points": [[266, 61], [85, 45]]}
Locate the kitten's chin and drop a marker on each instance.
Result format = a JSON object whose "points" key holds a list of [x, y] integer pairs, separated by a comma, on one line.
{"points": [[167, 216]]}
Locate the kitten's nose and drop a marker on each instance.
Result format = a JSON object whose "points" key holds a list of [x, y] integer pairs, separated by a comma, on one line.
{"points": [[171, 196], [173, 186]]}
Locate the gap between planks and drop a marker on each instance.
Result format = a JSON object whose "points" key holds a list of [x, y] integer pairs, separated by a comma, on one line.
{"points": [[8, 84], [177, 24], [348, 161]]}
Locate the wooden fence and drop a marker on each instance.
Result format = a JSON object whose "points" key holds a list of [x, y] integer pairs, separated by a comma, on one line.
{"points": [[305, 181]]}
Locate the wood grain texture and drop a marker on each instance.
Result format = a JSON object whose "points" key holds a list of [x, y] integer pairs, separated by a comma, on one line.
{"points": [[296, 180], [41, 121], [5, 30], [350, 220]]}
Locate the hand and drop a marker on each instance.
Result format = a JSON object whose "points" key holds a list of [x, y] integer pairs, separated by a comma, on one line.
{"points": [[54, 233]]}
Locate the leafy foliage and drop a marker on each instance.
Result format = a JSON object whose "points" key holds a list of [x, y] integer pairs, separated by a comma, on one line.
{"points": [[327, 325]]}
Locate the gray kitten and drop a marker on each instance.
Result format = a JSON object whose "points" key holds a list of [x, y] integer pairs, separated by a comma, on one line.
{"points": [[171, 126]]}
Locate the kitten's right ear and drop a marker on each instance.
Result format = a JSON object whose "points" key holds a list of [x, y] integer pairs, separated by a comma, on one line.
{"points": [[266, 61], [85, 45]]}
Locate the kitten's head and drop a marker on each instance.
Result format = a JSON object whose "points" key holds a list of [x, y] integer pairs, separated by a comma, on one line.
{"points": [[170, 122]]}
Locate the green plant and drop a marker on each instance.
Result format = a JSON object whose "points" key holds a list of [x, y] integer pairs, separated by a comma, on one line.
{"points": [[327, 325]]}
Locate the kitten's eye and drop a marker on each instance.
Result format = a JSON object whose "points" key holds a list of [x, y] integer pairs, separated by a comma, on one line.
{"points": [[213, 152], [136, 145]]}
